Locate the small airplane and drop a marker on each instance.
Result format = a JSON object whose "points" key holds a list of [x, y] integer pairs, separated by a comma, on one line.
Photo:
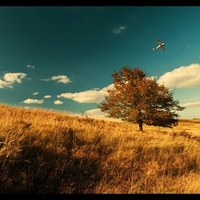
{"points": [[160, 45]]}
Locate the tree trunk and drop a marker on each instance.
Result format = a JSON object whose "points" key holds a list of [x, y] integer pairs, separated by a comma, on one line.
{"points": [[140, 126], [140, 121]]}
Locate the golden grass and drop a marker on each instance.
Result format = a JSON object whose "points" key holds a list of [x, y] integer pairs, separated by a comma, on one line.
{"points": [[43, 151]]}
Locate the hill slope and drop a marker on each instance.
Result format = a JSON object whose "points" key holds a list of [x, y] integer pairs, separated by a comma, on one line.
{"points": [[42, 151]]}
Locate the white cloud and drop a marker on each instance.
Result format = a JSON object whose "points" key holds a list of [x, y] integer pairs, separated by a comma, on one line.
{"points": [[47, 96], [31, 66], [28, 101], [152, 78], [191, 99], [60, 78], [191, 104], [88, 96], [46, 79], [98, 114], [119, 30], [94, 112], [5, 84], [35, 93], [182, 77], [188, 46], [58, 102], [10, 78]]}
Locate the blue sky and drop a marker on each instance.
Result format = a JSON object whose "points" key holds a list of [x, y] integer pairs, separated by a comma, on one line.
{"points": [[62, 57]]}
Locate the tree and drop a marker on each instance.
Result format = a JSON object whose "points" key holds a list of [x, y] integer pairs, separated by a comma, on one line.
{"points": [[138, 98]]}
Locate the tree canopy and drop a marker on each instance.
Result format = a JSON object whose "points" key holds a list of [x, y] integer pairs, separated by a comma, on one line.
{"points": [[138, 98]]}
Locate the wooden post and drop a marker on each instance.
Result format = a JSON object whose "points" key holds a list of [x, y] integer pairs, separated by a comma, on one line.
{"points": [[71, 139]]}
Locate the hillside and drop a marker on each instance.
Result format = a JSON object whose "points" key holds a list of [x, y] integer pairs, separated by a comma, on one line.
{"points": [[47, 152]]}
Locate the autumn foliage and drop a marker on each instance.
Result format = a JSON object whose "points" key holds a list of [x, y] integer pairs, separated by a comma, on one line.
{"points": [[138, 98]]}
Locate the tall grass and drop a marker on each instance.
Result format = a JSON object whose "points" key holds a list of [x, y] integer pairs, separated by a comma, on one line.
{"points": [[43, 151]]}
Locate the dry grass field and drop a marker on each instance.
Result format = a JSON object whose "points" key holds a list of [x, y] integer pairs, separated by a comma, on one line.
{"points": [[49, 152]]}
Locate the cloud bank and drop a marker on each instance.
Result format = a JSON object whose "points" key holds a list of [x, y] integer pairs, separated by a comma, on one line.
{"points": [[88, 96], [10, 78], [95, 112], [182, 77]]}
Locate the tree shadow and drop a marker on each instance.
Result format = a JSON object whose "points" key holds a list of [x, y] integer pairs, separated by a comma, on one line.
{"points": [[41, 170]]}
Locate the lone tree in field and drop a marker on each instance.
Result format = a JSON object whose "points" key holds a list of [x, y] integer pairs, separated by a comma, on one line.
{"points": [[138, 98]]}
